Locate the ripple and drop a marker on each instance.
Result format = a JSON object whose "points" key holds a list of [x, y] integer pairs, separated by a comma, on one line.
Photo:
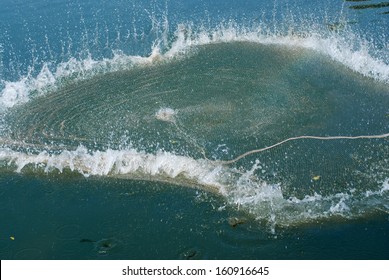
{"points": [[105, 246], [29, 254], [68, 232], [4, 246]]}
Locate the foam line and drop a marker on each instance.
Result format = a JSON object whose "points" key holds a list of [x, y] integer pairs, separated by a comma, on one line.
{"points": [[360, 59], [8, 142], [242, 188]]}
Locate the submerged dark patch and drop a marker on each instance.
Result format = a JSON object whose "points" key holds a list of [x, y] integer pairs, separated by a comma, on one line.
{"points": [[370, 6]]}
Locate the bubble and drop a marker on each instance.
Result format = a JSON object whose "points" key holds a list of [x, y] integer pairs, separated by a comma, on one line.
{"points": [[166, 115]]}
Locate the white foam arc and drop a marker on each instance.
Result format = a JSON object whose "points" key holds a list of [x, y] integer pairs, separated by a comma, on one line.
{"points": [[123, 162], [337, 48], [242, 189]]}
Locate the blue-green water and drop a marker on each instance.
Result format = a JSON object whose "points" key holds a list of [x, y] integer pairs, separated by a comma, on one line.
{"points": [[72, 218], [121, 120]]}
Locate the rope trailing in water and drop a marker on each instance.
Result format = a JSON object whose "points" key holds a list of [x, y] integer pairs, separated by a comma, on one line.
{"points": [[226, 162]]}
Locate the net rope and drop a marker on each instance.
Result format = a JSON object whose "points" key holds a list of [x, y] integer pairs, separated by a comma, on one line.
{"points": [[255, 151]]}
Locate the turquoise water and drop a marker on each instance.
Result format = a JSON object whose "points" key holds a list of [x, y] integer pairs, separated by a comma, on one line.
{"points": [[134, 130]]}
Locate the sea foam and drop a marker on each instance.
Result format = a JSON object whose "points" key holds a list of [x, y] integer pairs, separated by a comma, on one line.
{"points": [[356, 54], [240, 188]]}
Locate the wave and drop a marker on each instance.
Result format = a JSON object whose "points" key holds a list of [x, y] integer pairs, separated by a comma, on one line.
{"points": [[350, 50], [162, 165], [266, 202], [74, 70]]}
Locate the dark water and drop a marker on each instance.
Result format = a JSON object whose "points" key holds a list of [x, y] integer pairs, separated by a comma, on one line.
{"points": [[74, 218], [119, 122]]}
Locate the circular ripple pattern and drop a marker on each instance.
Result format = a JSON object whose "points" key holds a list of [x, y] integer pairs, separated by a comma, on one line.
{"points": [[185, 115]]}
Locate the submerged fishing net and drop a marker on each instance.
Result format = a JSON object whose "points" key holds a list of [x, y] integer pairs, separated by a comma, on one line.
{"points": [[282, 132]]}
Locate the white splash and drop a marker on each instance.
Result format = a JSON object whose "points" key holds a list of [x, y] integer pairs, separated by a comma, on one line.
{"points": [[166, 115], [338, 48], [242, 189], [118, 162], [47, 80]]}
